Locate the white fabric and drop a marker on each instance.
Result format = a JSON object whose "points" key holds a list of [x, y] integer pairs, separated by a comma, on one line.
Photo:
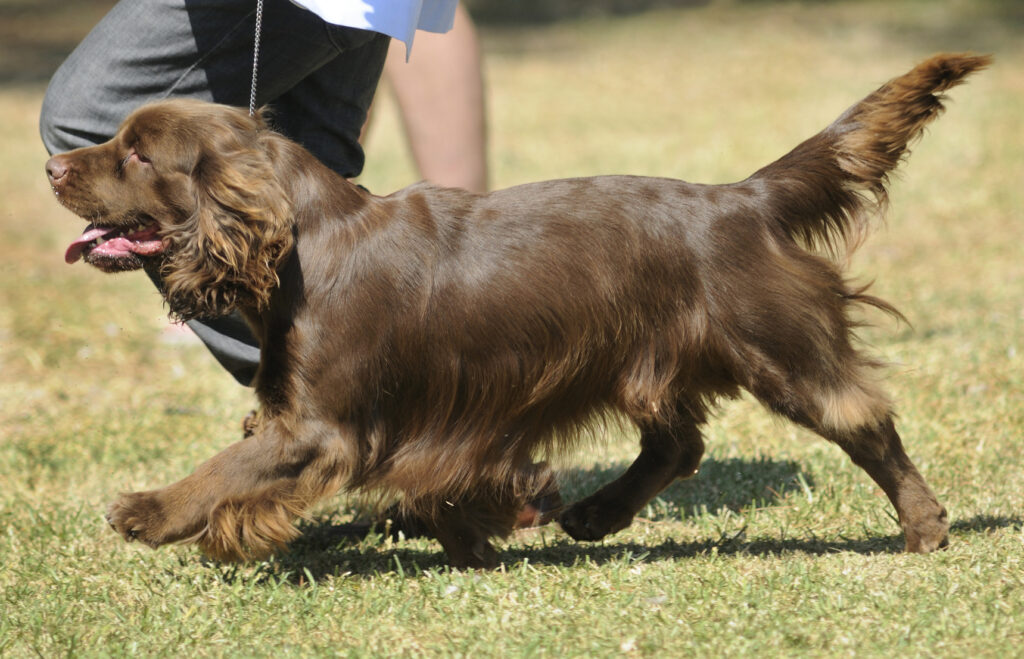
{"points": [[396, 18]]}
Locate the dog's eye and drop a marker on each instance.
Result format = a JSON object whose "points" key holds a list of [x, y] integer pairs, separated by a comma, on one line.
{"points": [[134, 155]]}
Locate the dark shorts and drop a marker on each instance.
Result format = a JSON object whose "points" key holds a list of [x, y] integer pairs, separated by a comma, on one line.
{"points": [[318, 78]]}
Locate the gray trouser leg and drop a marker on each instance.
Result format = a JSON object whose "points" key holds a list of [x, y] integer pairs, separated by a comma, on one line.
{"points": [[318, 78]]}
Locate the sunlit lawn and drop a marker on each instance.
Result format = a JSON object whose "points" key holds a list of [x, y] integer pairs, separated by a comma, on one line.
{"points": [[779, 545]]}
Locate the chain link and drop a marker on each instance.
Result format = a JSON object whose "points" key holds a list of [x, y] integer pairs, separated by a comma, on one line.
{"points": [[255, 57]]}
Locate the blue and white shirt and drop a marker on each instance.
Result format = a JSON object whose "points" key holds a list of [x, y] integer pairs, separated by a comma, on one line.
{"points": [[396, 18]]}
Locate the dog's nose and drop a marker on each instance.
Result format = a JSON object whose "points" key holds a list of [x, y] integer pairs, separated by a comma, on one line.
{"points": [[56, 169]]}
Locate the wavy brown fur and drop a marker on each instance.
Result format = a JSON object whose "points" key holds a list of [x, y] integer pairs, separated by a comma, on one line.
{"points": [[431, 343], [224, 254], [832, 184]]}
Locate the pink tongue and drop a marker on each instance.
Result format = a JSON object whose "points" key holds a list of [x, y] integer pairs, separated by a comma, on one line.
{"points": [[145, 242], [75, 249]]}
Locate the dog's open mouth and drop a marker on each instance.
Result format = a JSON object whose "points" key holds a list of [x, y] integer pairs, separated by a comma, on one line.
{"points": [[116, 248]]}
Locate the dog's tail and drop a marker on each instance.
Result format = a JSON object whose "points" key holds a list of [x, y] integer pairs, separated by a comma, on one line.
{"points": [[826, 190]]}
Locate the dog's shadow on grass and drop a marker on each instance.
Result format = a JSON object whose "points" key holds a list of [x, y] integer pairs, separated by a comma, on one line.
{"points": [[732, 484], [311, 560]]}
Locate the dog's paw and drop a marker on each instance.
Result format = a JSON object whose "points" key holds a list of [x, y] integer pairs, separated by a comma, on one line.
{"points": [[138, 516], [478, 556], [593, 519], [929, 533]]}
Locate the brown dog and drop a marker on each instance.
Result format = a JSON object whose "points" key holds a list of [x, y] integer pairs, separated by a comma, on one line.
{"points": [[432, 342]]}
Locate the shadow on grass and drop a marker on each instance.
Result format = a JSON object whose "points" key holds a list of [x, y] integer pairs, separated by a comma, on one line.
{"points": [[312, 558], [733, 484]]}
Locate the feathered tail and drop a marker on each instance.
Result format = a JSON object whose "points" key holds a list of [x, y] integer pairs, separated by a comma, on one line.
{"points": [[827, 189]]}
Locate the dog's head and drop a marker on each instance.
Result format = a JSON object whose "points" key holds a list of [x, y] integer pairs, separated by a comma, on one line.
{"points": [[185, 187]]}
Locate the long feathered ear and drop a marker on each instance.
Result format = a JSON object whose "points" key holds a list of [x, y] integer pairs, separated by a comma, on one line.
{"points": [[226, 254]]}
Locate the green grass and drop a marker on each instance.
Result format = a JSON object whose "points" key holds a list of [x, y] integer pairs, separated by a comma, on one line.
{"points": [[779, 546]]}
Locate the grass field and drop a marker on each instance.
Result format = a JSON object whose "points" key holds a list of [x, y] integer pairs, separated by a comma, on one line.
{"points": [[779, 545]]}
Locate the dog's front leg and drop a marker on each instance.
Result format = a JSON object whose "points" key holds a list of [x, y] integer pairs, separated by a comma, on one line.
{"points": [[242, 502]]}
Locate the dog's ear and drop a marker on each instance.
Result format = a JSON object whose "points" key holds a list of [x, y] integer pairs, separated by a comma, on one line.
{"points": [[225, 256]]}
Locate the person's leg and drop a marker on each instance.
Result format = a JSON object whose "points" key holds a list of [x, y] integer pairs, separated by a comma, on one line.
{"points": [[441, 97], [320, 79]]}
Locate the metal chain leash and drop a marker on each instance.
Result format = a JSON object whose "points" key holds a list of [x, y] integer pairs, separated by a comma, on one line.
{"points": [[255, 57]]}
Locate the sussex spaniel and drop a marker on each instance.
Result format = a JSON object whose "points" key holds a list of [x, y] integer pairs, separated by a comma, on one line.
{"points": [[431, 343]]}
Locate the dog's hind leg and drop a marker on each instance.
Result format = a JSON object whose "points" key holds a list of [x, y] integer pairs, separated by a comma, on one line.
{"points": [[849, 409], [667, 451], [877, 449]]}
